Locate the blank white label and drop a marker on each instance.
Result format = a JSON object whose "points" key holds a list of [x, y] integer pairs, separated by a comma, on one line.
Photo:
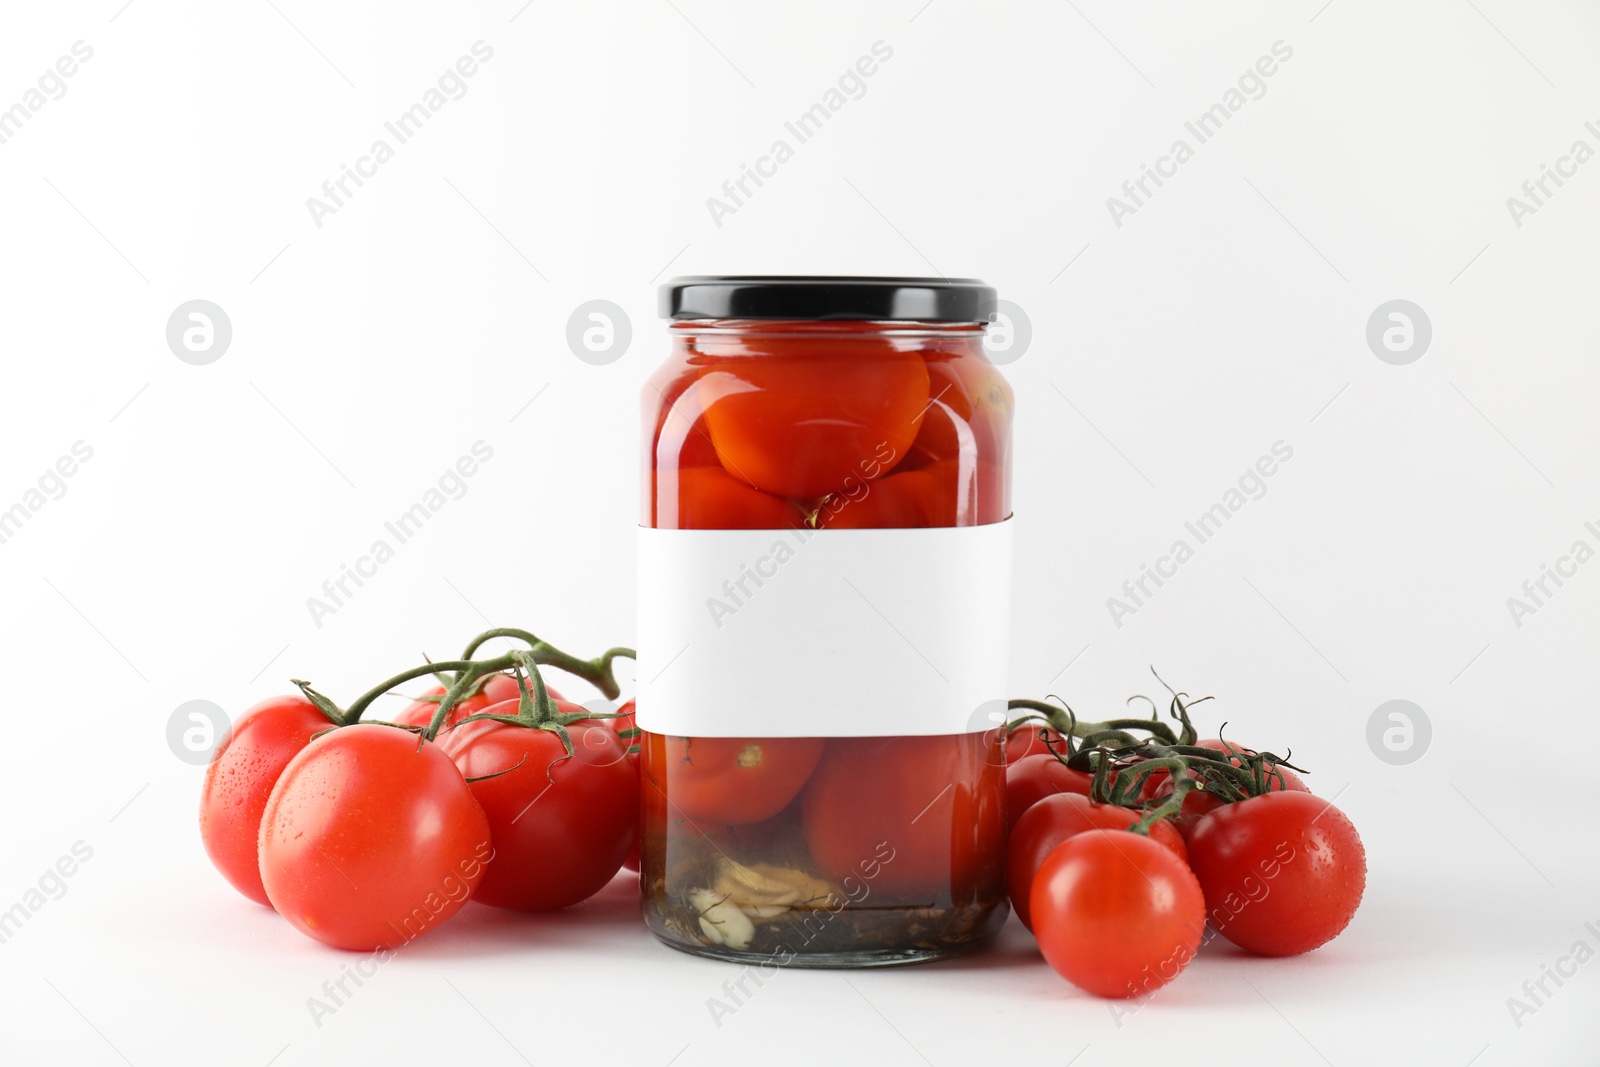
{"points": [[823, 633]]}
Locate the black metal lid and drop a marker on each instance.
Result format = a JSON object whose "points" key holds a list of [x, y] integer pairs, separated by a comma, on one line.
{"points": [[741, 296]]}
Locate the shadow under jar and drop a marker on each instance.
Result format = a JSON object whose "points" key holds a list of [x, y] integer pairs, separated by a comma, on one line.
{"points": [[824, 592]]}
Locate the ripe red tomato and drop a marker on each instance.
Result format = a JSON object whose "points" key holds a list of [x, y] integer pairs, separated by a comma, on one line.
{"points": [[631, 860], [371, 838], [1026, 740], [1053, 820], [730, 780], [420, 712], [1157, 781], [1282, 872], [247, 764], [1197, 803], [709, 498], [799, 417], [1032, 778], [1116, 914], [496, 688], [557, 839], [936, 801], [1291, 780]]}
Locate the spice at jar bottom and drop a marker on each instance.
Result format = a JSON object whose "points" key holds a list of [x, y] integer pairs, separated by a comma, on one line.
{"points": [[824, 570]]}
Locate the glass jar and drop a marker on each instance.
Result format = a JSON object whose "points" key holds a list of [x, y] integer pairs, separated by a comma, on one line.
{"points": [[824, 600]]}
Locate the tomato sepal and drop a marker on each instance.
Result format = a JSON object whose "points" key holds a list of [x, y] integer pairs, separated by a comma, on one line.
{"points": [[329, 709]]}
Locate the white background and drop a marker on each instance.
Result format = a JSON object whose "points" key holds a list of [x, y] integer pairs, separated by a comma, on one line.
{"points": [[1168, 353]]}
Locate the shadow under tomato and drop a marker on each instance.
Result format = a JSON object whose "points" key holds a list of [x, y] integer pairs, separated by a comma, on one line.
{"points": [[478, 930]]}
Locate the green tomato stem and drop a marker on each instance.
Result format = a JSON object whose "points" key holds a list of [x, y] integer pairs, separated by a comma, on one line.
{"points": [[362, 702], [471, 672], [598, 672]]}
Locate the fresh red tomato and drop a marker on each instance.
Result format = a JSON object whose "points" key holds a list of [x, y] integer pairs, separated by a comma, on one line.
{"points": [[598, 748], [247, 764], [1156, 781], [496, 689], [1290, 779], [1282, 872], [1032, 778], [935, 801], [420, 712], [1197, 803], [709, 498], [1030, 739], [561, 827], [730, 780], [1116, 914], [371, 838], [802, 417], [1053, 820]]}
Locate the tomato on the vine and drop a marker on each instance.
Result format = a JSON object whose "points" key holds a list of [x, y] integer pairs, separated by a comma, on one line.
{"points": [[1290, 779], [561, 826], [1032, 778], [1055, 819], [1282, 872], [247, 764], [496, 689], [1115, 913], [935, 801], [1031, 739], [1198, 802], [371, 838]]}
